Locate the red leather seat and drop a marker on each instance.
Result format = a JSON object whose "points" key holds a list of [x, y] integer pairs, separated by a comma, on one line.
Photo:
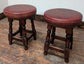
{"points": [[63, 17], [20, 11]]}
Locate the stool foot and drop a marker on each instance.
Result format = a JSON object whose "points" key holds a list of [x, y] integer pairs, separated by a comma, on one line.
{"points": [[26, 47], [45, 52], [34, 34], [25, 42], [71, 46], [46, 47], [34, 38], [10, 39], [10, 43], [66, 55], [66, 60]]}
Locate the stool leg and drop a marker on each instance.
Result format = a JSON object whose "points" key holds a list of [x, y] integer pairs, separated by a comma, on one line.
{"points": [[25, 42], [67, 45], [10, 35], [20, 28], [71, 38], [46, 46], [33, 28], [53, 35]]}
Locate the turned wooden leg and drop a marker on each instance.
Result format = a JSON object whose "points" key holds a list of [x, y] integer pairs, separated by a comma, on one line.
{"points": [[53, 35], [67, 45], [33, 28], [20, 28], [25, 42], [46, 46], [71, 38], [10, 35]]}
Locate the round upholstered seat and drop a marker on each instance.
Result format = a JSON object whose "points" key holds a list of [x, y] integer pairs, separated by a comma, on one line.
{"points": [[63, 17], [20, 11]]}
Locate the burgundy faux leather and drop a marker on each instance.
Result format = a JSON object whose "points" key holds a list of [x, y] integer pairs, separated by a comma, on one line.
{"points": [[19, 11], [63, 17]]}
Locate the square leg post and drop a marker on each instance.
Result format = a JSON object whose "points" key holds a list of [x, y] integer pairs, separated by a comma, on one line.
{"points": [[10, 35], [53, 35], [33, 27], [25, 42], [67, 44], [71, 38], [20, 28], [46, 46]]}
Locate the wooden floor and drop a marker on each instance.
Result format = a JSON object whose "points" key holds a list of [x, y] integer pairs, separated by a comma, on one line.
{"points": [[15, 54]]}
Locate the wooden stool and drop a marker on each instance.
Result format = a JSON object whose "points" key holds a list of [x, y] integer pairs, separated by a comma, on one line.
{"points": [[64, 18], [21, 13]]}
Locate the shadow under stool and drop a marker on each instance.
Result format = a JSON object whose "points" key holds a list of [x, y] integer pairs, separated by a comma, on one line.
{"points": [[21, 12], [63, 18]]}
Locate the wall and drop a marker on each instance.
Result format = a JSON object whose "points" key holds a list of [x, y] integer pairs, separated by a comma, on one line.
{"points": [[43, 5], [3, 4]]}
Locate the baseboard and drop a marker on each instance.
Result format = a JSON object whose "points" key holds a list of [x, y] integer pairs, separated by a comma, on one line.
{"points": [[81, 25], [41, 18], [2, 16]]}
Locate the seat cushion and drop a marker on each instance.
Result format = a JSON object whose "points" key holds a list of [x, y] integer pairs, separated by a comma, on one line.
{"points": [[63, 17], [20, 11]]}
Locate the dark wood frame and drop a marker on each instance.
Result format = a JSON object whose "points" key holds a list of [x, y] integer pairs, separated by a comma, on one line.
{"points": [[22, 30], [50, 40]]}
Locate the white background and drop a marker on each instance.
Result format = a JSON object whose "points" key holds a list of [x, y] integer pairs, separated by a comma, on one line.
{"points": [[3, 4], [43, 5]]}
